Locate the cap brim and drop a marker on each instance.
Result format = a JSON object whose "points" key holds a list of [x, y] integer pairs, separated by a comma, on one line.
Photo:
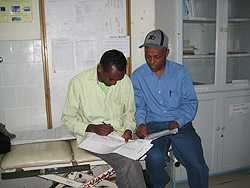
{"points": [[141, 46], [151, 46]]}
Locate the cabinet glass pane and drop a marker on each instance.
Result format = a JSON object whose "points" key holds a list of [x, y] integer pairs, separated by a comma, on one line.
{"points": [[199, 40], [238, 42], [201, 69]]}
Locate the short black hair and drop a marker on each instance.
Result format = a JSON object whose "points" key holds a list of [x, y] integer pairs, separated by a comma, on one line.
{"points": [[113, 58]]}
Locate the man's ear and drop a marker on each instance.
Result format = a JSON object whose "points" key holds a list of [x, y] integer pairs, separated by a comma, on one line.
{"points": [[99, 68], [167, 51]]}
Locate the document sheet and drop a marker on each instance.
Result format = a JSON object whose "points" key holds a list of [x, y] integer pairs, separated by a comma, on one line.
{"points": [[134, 149]]}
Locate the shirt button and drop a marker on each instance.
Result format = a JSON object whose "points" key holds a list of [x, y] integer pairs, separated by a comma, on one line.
{"points": [[159, 91]]}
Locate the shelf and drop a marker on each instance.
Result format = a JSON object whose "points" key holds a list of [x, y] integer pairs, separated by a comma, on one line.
{"points": [[198, 20], [236, 20], [213, 56], [198, 56], [239, 55]]}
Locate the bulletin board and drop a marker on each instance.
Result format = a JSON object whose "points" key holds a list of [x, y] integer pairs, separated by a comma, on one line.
{"points": [[75, 35]]}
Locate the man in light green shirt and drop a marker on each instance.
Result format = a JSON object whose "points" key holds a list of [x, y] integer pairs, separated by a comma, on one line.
{"points": [[101, 100]]}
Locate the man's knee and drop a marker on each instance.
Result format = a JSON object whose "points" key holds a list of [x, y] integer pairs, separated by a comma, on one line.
{"points": [[155, 157]]}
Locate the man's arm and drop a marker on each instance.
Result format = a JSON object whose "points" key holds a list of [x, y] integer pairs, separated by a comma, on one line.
{"points": [[70, 117], [129, 105], [140, 104], [188, 106]]}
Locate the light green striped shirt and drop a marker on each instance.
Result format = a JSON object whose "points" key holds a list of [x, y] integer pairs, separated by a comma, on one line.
{"points": [[86, 103]]}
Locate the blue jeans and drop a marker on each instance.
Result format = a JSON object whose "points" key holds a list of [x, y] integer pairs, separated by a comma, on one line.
{"points": [[187, 148]]}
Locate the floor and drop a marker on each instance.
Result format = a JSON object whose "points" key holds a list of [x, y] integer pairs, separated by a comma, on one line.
{"points": [[239, 179]]}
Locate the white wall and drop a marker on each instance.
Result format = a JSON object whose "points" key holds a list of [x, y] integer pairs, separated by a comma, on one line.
{"points": [[8, 31], [142, 21], [22, 101], [22, 104]]}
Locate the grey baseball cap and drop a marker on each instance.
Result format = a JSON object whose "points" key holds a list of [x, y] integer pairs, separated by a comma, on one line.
{"points": [[155, 39]]}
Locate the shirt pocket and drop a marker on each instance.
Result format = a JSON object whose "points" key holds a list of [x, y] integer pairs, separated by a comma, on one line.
{"points": [[174, 98]]}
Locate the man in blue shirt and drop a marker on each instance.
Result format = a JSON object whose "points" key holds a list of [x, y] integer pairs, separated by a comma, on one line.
{"points": [[165, 99]]}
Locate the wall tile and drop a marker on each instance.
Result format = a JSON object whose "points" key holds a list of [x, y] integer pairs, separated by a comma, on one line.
{"points": [[22, 104]]}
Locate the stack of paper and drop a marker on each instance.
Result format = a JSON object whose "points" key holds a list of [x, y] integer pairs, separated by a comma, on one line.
{"points": [[134, 149], [34, 136]]}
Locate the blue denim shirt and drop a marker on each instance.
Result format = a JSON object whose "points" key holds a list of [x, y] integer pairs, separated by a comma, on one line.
{"points": [[169, 98]]}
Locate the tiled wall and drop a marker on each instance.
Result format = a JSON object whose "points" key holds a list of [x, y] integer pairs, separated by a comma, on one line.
{"points": [[22, 101]]}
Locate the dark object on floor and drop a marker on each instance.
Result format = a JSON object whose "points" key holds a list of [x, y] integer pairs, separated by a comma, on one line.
{"points": [[4, 143], [146, 178], [5, 132]]}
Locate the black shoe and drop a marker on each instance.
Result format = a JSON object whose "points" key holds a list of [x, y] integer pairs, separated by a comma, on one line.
{"points": [[4, 131]]}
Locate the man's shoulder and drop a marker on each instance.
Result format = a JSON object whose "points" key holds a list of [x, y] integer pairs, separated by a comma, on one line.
{"points": [[175, 64], [85, 74], [125, 81], [140, 70], [176, 67]]}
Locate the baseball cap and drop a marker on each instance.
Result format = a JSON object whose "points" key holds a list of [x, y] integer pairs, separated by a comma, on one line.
{"points": [[155, 39]]}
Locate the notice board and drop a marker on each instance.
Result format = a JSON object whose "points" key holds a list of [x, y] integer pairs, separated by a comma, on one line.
{"points": [[77, 33]]}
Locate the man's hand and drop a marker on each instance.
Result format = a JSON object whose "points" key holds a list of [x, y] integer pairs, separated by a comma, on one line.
{"points": [[141, 131], [100, 129], [173, 125], [127, 135]]}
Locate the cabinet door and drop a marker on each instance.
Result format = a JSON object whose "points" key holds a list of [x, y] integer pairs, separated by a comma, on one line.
{"points": [[204, 125], [235, 131], [238, 43], [199, 40]]}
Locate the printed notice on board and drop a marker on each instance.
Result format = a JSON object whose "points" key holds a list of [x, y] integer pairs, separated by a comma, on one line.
{"points": [[63, 58], [242, 108], [12, 11], [117, 42]]}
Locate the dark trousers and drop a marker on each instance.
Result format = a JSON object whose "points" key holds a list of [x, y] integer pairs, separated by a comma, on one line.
{"points": [[128, 172], [187, 148], [4, 144]]}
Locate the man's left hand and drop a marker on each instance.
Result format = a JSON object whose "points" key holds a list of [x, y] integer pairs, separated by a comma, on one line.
{"points": [[173, 125], [127, 135]]}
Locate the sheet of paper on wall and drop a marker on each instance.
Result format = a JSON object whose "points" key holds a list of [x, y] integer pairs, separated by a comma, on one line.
{"points": [[86, 54], [117, 42], [112, 143], [45, 135], [241, 108], [62, 61]]}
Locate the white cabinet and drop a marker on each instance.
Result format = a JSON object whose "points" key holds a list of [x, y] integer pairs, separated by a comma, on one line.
{"points": [[234, 152], [210, 37]]}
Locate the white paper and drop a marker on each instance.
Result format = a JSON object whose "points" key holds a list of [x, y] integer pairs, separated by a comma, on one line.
{"points": [[242, 108], [86, 54], [119, 43], [63, 55], [35, 136], [134, 149], [154, 136]]}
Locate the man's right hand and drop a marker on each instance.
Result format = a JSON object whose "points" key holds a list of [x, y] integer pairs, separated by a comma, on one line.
{"points": [[100, 129], [142, 131]]}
